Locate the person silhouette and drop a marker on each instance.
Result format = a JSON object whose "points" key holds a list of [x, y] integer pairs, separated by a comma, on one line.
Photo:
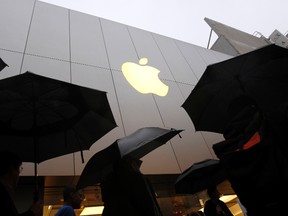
{"points": [[254, 155], [10, 169], [72, 200], [128, 191], [214, 206]]}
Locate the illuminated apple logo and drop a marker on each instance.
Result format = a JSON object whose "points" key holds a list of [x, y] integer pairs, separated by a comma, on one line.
{"points": [[144, 78]]}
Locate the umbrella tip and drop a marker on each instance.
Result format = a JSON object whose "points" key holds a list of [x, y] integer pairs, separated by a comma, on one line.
{"points": [[173, 129]]}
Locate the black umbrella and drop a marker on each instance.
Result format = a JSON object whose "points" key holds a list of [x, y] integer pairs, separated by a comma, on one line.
{"points": [[200, 176], [261, 75], [136, 145], [43, 118], [2, 64]]}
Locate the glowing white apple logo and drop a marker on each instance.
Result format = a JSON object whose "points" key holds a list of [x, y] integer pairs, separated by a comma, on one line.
{"points": [[144, 78]]}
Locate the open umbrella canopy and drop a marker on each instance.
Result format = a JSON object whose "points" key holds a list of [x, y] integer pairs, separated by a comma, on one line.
{"points": [[200, 176], [260, 75], [42, 118], [136, 145], [2, 64]]}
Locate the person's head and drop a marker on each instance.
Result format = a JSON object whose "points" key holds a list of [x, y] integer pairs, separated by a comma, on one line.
{"points": [[10, 168], [213, 193], [72, 196]]}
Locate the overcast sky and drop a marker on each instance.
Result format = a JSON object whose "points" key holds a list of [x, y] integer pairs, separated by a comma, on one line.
{"points": [[184, 19]]}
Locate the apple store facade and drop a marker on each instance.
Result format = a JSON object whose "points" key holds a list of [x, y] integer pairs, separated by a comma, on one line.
{"points": [[89, 51]]}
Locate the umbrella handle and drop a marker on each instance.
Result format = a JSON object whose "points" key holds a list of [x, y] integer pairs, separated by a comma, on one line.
{"points": [[36, 196]]}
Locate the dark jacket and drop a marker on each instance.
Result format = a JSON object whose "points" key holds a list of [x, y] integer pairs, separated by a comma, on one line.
{"points": [[7, 205], [128, 193], [256, 166], [216, 209]]}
